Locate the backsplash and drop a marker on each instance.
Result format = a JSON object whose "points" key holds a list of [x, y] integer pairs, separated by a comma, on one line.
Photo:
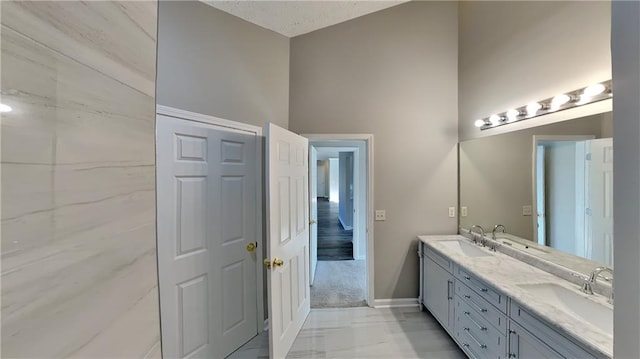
{"points": [[79, 272]]}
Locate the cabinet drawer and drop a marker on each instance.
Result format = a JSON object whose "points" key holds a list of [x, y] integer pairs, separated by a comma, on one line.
{"points": [[443, 261], [494, 297], [540, 329], [475, 348], [470, 321], [488, 312]]}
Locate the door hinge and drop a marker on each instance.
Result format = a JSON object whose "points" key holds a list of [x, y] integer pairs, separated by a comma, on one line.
{"points": [[588, 157], [587, 211]]}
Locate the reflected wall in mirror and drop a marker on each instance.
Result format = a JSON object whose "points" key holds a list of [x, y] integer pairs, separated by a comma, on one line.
{"points": [[551, 185]]}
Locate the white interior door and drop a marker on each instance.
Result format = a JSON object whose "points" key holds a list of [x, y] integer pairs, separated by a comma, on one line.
{"points": [[288, 236], [207, 194], [599, 215], [313, 223]]}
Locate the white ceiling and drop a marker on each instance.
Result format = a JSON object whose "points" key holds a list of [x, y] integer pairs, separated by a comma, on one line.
{"points": [[293, 18]]}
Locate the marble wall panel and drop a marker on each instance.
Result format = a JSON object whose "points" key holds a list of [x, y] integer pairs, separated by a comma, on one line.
{"points": [[79, 272]]}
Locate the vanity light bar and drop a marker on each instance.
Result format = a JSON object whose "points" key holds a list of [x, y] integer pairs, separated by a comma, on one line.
{"points": [[590, 94]]}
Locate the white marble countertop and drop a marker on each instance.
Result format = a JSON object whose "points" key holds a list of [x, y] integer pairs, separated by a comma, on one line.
{"points": [[506, 273]]}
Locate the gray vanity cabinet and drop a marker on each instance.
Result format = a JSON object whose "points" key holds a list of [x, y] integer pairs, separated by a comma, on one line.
{"points": [[532, 337], [523, 344], [438, 288]]}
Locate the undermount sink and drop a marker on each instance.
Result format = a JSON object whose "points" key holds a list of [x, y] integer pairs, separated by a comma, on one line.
{"points": [[465, 248], [565, 299]]}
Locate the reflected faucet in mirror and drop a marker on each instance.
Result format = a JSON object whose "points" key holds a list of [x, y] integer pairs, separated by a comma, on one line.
{"points": [[495, 229], [473, 238]]}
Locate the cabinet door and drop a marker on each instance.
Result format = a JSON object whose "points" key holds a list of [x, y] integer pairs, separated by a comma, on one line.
{"points": [[523, 345], [438, 292]]}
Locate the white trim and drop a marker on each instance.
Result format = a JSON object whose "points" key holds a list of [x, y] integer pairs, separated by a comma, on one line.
{"points": [[236, 126], [369, 257], [396, 303], [347, 228], [198, 117]]}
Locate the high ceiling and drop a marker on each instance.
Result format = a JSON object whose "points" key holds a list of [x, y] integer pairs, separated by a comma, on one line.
{"points": [[293, 18]]}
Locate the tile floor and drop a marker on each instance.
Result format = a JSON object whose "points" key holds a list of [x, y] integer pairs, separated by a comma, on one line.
{"points": [[363, 333]]}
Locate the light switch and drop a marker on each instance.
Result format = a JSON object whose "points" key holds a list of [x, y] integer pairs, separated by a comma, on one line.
{"points": [[526, 210], [381, 214], [452, 212], [463, 211]]}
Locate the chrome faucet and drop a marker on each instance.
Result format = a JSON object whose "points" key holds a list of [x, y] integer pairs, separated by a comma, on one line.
{"points": [[587, 286], [495, 229], [473, 238]]}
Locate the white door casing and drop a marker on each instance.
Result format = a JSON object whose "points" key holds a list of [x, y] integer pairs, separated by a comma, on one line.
{"points": [[287, 236], [313, 223], [207, 192]]}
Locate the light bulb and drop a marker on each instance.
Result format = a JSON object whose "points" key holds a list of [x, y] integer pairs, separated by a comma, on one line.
{"points": [[594, 90], [560, 100], [533, 108], [5, 108], [495, 119], [479, 123], [513, 114]]}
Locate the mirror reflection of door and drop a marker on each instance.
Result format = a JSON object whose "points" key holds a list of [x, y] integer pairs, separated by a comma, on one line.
{"points": [[574, 188], [599, 195]]}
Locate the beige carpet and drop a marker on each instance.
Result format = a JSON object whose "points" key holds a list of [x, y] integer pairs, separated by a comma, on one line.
{"points": [[339, 284]]}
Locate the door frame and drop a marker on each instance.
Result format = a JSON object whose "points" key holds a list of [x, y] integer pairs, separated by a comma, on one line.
{"points": [[234, 127], [369, 232], [534, 169]]}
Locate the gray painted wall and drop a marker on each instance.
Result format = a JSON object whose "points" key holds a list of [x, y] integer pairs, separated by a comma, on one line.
{"points": [[217, 64], [515, 52], [625, 49], [392, 74]]}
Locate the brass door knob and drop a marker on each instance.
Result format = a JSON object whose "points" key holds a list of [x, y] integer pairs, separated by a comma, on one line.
{"points": [[278, 262], [267, 263], [251, 247]]}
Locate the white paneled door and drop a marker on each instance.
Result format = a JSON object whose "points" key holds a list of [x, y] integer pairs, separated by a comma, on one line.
{"points": [[599, 215], [207, 233], [287, 236]]}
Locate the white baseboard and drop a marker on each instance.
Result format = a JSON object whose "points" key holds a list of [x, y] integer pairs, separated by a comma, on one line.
{"points": [[266, 324], [395, 303], [346, 228]]}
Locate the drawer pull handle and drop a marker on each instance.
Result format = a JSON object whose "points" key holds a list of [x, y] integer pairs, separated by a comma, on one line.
{"points": [[483, 346], [467, 277], [512, 355], [466, 345], [478, 308], [484, 290], [468, 314], [467, 296]]}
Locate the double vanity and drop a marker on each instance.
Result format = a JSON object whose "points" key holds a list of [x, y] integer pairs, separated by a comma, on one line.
{"points": [[497, 306]]}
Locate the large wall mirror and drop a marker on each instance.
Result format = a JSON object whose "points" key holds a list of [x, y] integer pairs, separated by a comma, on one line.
{"points": [[550, 186]]}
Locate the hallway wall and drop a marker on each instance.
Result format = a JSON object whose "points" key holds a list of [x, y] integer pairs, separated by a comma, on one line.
{"points": [[78, 180]]}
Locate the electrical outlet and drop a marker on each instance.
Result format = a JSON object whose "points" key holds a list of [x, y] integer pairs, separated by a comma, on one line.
{"points": [[463, 211], [381, 215], [452, 212], [526, 210]]}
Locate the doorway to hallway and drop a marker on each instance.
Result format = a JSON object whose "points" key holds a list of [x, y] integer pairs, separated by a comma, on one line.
{"points": [[339, 183]]}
